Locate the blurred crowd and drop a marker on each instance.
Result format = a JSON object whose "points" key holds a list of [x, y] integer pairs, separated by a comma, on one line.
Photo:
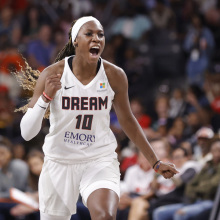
{"points": [[170, 51]]}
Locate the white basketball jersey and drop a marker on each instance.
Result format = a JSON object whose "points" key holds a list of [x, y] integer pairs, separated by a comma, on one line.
{"points": [[80, 119]]}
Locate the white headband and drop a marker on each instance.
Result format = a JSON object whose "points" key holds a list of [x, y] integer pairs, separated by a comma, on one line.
{"points": [[79, 23]]}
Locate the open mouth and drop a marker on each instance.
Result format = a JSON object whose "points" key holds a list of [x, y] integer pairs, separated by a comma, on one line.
{"points": [[94, 51]]}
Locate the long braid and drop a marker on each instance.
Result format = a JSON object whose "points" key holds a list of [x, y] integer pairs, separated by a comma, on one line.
{"points": [[28, 78], [68, 49]]}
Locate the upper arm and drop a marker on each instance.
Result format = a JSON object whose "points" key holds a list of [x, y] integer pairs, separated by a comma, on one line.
{"points": [[119, 84]]}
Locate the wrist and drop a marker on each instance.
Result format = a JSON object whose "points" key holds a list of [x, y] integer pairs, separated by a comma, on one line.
{"points": [[45, 99], [156, 165], [42, 103], [47, 96]]}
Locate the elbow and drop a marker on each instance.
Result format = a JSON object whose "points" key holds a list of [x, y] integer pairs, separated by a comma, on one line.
{"points": [[26, 131], [31, 124], [25, 135]]}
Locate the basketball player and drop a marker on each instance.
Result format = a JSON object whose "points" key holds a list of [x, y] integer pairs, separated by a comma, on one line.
{"points": [[80, 147]]}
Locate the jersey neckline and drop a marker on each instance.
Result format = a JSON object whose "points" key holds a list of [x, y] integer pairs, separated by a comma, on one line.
{"points": [[91, 82]]}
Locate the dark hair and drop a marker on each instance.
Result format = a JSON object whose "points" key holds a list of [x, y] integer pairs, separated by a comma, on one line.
{"points": [[33, 179], [196, 90], [68, 49], [29, 77], [5, 143]]}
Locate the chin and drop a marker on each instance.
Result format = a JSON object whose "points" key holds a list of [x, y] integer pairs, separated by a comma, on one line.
{"points": [[93, 59]]}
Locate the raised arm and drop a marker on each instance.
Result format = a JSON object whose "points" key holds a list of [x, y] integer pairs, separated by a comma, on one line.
{"points": [[129, 124], [48, 82]]}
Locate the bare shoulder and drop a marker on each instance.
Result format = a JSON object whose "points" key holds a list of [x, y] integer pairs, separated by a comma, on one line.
{"points": [[54, 69], [116, 76]]}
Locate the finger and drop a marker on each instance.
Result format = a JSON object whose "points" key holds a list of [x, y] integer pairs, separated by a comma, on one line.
{"points": [[53, 77], [173, 169], [169, 174], [52, 85], [53, 80]]}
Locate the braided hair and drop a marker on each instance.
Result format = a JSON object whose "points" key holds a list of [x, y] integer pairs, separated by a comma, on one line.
{"points": [[28, 77], [68, 49]]}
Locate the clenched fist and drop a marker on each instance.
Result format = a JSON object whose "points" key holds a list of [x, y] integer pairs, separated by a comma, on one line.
{"points": [[52, 85], [167, 170]]}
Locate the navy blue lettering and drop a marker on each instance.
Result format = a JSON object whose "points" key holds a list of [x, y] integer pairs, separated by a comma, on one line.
{"points": [[84, 103], [103, 102], [93, 103], [67, 134], [65, 103], [82, 139], [72, 136], [75, 103]]}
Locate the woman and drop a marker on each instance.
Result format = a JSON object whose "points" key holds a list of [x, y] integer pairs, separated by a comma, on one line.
{"points": [[35, 161], [80, 148]]}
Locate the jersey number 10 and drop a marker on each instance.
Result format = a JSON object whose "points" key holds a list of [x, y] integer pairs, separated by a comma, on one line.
{"points": [[86, 122]]}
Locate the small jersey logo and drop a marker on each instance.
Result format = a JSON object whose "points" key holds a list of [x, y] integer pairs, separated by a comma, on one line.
{"points": [[102, 85], [41, 106], [68, 87]]}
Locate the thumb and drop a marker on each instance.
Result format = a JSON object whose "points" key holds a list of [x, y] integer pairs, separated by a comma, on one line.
{"points": [[173, 169]]}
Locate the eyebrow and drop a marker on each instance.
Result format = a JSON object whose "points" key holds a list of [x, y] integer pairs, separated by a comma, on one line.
{"points": [[99, 30]]}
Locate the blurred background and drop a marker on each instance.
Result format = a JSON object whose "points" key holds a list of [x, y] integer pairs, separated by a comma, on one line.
{"points": [[169, 49]]}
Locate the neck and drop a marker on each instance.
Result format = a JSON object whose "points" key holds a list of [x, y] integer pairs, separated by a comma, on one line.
{"points": [[82, 68]]}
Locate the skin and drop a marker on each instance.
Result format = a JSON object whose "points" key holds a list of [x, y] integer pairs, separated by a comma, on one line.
{"points": [[178, 157], [102, 203]]}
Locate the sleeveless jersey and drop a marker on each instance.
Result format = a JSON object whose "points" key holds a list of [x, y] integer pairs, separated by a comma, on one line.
{"points": [[80, 119]]}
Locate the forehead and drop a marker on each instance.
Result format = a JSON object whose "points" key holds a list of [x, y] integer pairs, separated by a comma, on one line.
{"points": [[158, 144], [4, 148], [92, 25], [178, 151]]}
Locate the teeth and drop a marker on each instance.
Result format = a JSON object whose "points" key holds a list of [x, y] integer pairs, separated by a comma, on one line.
{"points": [[95, 47]]}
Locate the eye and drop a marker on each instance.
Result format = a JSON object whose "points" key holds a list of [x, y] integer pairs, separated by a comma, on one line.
{"points": [[101, 35], [88, 34]]}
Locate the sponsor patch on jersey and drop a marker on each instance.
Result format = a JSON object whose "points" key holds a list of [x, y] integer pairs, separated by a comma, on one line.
{"points": [[101, 86], [77, 138]]}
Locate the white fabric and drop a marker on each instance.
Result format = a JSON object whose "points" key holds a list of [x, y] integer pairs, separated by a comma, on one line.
{"points": [[187, 165], [137, 180], [45, 216], [32, 120], [79, 23], [68, 143], [60, 184]]}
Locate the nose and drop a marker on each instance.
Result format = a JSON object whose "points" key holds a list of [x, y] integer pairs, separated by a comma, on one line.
{"points": [[96, 38]]}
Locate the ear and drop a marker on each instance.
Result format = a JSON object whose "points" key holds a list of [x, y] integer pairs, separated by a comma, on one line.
{"points": [[75, 43]]}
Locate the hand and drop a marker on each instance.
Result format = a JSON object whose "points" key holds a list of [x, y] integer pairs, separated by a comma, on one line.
{"points": [[52, 85], [20, 210], [167, 170]]}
